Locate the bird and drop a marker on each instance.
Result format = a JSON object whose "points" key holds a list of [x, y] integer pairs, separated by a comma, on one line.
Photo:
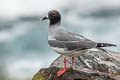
{"points": [[67, 43]]}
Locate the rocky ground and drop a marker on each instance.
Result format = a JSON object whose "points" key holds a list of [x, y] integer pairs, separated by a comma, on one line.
{"points": [[93, 65]]}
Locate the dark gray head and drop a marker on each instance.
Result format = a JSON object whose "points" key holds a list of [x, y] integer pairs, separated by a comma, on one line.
{"points": [[54, 17]]}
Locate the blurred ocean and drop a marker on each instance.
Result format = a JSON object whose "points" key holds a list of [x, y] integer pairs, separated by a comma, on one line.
{"points": [[23, 38]]}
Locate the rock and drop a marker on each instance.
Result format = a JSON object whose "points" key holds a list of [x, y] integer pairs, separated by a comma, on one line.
{"points": [[93, 65]]}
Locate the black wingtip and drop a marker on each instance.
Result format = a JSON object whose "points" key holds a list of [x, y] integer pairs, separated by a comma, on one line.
{"points": [[114, 45], [105, 45]]}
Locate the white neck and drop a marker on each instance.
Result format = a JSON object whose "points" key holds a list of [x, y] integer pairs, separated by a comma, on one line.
{"points": [[53, 30]]}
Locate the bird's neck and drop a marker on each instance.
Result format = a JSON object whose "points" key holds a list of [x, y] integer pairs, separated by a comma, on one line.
{"points": [[53, 23], [54, 26], [53, 29]]}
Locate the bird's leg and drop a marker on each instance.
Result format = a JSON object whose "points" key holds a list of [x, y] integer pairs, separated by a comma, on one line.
{"points": [[61, 71], [72, 63]]}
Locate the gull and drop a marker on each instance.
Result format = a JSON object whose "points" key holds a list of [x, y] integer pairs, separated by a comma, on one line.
{"points": [[67, 43]]}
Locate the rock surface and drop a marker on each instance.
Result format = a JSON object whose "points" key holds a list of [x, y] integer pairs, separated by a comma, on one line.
{"points": [[93, 65]]}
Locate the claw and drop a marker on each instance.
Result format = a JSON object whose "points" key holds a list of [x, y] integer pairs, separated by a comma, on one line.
{"points": [[61, 71]]}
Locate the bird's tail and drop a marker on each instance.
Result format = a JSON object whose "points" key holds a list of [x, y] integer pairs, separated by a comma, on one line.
{"points": [[105, 45]]}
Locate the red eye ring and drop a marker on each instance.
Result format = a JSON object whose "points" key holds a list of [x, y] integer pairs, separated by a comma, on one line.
{"points": [[54, 14]]}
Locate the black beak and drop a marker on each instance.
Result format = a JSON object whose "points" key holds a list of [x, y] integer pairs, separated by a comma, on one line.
{"points": [[44, 18]]}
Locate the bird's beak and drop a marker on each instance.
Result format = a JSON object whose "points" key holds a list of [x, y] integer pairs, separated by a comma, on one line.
{"points": [[44, 18]]}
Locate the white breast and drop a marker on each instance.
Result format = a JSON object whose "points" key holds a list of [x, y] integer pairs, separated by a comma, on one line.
{"points": [[59, 50], [71, 53]]}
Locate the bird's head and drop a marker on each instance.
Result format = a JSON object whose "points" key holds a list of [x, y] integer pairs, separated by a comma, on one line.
{"points": [[54, 17]]}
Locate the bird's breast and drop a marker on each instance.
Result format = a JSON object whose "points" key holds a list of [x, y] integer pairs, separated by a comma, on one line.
{"points": [[65, 52]]}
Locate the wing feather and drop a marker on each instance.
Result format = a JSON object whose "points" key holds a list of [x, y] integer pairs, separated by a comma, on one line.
{"points": [[70, 41]]}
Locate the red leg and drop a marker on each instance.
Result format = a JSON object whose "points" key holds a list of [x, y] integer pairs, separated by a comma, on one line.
{"points": [[61, 71], [72, 63]]}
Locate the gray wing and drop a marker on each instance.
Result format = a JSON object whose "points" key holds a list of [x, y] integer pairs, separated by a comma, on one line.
{"points": [[71, 41], [68, 45], [64, 35]]}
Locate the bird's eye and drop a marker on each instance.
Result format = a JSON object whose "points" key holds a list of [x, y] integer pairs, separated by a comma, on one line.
{"points": [[54, 14]]}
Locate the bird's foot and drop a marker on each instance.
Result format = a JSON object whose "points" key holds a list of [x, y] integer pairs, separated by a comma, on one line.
{"points": [[61, 71]]}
